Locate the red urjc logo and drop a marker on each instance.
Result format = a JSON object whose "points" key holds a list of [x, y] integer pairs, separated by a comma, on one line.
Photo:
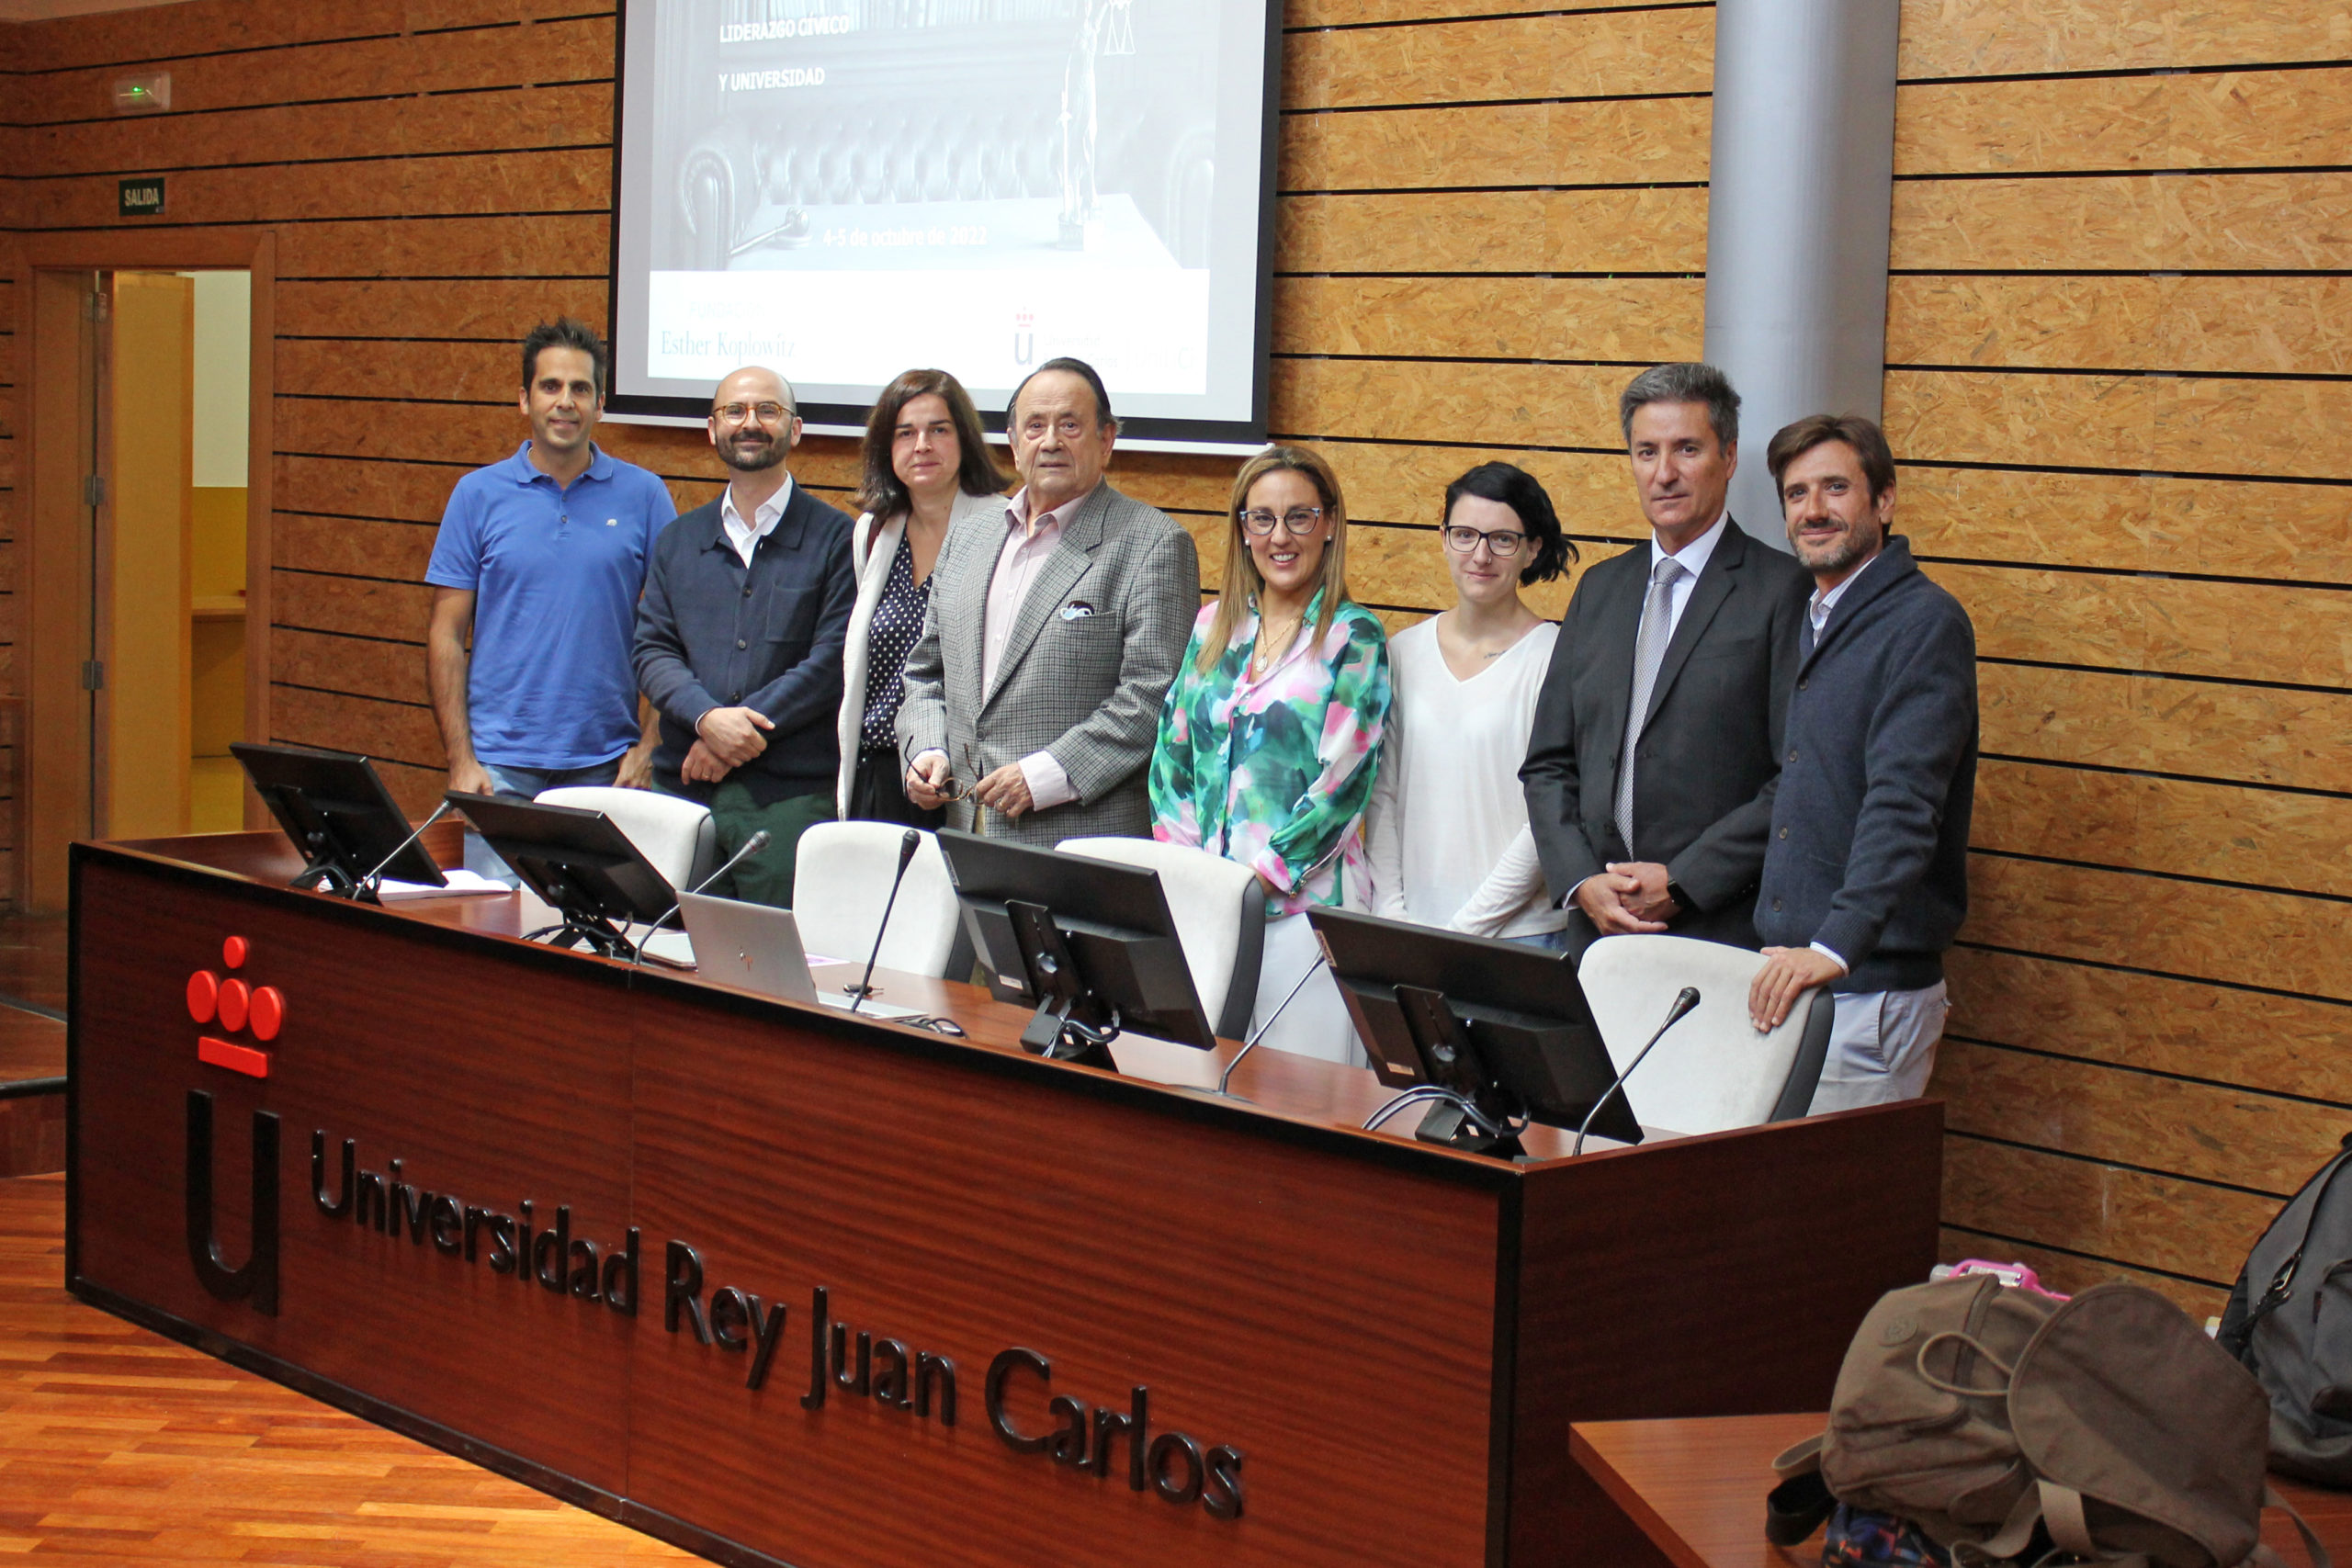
{"points": [[238, 1008]]}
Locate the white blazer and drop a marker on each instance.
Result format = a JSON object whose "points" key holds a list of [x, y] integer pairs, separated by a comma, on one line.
{"points": [[870, 553]]}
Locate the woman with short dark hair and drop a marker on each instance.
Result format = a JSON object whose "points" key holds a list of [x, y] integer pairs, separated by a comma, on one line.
{"points": [[926, 467], [1450, 843]]}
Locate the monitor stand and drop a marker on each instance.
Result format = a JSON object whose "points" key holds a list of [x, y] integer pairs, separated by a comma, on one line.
{"points": [[325, 875], [582, 924], [1460, 1070], [1058, 1030]]}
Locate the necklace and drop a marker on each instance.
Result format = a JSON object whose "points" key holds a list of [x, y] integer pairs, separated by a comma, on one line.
{"points": [[1263, 650]]}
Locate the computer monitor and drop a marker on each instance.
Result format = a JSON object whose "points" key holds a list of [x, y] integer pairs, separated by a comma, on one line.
{"points": [[340, 816], [1497, 1024], [1090, 944], [580, 863]]}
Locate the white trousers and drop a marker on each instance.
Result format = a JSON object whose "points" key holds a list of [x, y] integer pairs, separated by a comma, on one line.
{"points": [[1882, 1048], [1315, 1023]]}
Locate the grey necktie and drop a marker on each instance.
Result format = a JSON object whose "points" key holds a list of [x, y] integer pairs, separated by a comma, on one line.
{"points": [[1649, 652]]}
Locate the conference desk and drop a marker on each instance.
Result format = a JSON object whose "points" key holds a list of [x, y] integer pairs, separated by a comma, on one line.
{"points": [[796, 1287]]}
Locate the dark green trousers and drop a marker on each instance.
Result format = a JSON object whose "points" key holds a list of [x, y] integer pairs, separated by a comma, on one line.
{"points": [[766, 877]]}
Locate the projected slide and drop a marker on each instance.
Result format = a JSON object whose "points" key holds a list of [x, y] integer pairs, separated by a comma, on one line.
{"points": [[842, 189]]}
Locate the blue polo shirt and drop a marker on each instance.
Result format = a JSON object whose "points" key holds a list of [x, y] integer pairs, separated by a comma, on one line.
{"points": [[556, 575]]}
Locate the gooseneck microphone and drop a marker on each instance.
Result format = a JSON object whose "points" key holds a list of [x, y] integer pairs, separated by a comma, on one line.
{"points": [[368, 883], [864, 986], [1683, 1003], [1260, 1032], [751, 846]]}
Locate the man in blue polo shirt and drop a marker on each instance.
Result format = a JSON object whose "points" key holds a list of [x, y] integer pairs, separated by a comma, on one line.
{"points": [[541, 558]]}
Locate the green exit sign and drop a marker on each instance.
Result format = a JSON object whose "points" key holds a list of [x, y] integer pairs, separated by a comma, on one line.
{"points": [[141, 197]]}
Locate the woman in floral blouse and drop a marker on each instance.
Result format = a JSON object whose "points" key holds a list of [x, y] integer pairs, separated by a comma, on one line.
{"points": [[1270, 738]]}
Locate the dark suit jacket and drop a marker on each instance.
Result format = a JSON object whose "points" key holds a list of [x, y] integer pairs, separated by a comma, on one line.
{"points": [[1709, 753]]}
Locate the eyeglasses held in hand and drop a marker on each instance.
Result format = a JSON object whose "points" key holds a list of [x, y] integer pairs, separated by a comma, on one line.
{"points": [[736, 413], [1503, 544], [1299, 520]]}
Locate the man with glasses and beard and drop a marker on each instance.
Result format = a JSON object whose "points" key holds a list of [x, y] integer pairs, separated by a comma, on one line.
{"points": [[739, 640]]}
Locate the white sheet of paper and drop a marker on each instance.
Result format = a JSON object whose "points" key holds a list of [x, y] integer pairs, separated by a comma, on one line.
{"points": [[463, 884]]}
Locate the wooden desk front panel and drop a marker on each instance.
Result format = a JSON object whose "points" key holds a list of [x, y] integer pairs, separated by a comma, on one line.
{"points": [[1324, 1307], [492, 1079], [1330, 1317], [1778, 1240]]}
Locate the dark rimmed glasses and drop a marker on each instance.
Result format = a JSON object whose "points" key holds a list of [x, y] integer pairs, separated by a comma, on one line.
{"points": [[1502, 543]]}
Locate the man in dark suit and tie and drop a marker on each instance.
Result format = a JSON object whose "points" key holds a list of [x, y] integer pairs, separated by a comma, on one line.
{"points": [[1657, 738]]}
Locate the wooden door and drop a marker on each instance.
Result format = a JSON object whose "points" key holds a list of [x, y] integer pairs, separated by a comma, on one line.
{"points": [[60, 594], [144, 701]]}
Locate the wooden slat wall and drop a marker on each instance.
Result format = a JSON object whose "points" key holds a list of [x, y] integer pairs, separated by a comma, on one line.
{"points": [[2119, 339], [2117, 347], [1486, 224]]}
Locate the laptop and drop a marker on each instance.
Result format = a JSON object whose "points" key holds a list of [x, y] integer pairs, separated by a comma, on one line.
{"points": [[756, 947]]}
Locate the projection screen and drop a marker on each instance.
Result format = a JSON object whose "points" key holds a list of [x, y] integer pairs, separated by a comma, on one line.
{"points": [[844, 189]]}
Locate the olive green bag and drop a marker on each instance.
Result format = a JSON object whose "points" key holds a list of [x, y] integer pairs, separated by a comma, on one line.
{"points": [[1977, 1410]]}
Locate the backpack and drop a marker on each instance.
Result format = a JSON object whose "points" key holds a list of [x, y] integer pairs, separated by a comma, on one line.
{"points": [[2304, 1356], [1979, 1412]]}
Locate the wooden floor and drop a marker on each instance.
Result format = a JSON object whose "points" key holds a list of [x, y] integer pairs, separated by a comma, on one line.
{"points": [[119, 1446]]}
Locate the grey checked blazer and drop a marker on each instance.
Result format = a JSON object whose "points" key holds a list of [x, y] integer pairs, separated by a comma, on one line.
{"points": [[1085, 686]]}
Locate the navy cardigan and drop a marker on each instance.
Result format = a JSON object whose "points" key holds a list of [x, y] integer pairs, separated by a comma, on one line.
{"points": [[712, 634], [1869, 848]]}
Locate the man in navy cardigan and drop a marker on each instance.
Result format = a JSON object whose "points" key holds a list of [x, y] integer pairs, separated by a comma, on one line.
{"points": [[739, 640], [1866, 872]]}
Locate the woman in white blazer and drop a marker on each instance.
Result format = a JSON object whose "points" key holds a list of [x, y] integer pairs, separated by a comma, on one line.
{"points": [[926, 467]]}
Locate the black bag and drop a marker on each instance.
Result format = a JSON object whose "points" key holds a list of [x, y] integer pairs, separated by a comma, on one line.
{"points": [[2290, 1320]]}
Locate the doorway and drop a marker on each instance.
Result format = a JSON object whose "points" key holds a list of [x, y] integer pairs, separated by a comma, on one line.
{"points": [[143, 555]]}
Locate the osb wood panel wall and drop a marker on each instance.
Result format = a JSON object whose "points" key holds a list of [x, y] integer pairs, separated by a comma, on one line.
{"points": [[2118, 311], [1491, 222], [2119, 341]]}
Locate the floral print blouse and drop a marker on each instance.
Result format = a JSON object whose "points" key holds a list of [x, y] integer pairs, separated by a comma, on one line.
{"points": [[1276, 773]]}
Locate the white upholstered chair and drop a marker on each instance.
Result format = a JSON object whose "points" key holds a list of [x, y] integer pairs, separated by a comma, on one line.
{"points": [[1220, 914], [1712, 1071], [841, 881], [675, 836]]}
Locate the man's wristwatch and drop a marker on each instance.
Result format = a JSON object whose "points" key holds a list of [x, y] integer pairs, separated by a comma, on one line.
{"points": [[1681, 899]]}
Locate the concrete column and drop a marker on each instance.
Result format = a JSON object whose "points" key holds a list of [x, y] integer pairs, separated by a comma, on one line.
{"points": [[1800, 186]]}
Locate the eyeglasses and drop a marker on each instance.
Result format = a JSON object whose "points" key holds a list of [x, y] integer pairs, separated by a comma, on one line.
{"points": [[1503, 544], [1299, 520], [736, 413]]}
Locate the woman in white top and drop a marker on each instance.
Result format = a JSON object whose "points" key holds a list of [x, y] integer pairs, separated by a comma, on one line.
{"points": [[926, 467], [1449, 844]]}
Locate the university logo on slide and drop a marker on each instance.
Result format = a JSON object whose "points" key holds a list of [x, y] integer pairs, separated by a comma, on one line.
{"points": [[1024, 336], [238, 1009]]}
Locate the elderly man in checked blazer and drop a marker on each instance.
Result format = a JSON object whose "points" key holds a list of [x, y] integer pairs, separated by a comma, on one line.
{"points": [[1056, 624]]}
